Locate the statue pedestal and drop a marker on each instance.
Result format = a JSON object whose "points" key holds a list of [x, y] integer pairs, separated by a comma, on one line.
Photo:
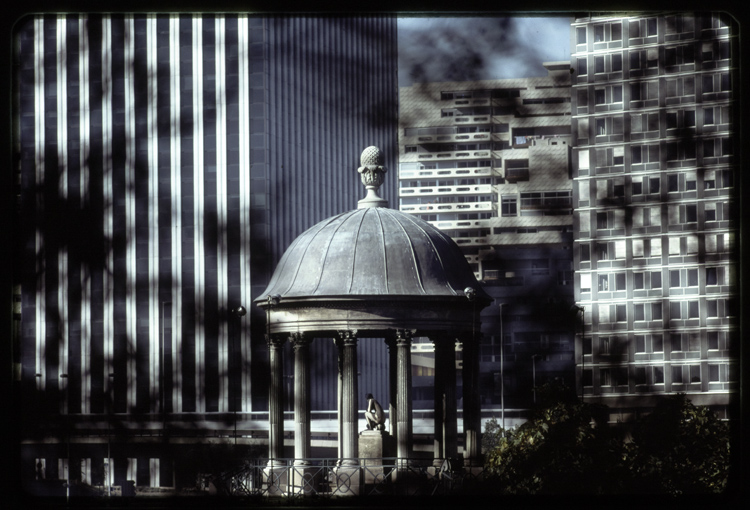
{"points": [[374, 445]]}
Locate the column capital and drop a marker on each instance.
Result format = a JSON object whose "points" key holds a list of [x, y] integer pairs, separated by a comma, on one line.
{"points": [[404, 336], [347, 337], [275, 341], [299, 339]]}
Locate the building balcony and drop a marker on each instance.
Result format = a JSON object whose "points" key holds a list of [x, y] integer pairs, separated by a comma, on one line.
{"points": [[483, 189], [450, 172], [448, 208]]}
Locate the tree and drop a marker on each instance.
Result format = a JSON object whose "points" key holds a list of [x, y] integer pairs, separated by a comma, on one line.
{"points": [[566, 447], [679, 448]]}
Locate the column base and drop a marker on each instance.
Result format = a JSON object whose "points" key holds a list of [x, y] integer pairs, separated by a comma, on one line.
{"points": [[276, 478], [347, 480], [305, 479]]}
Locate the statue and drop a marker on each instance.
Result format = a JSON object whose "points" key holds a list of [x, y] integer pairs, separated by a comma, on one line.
{"points": [[374, 414]]}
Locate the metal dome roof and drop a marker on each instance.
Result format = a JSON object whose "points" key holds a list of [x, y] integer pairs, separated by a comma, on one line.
{"points": [[372, 251]]}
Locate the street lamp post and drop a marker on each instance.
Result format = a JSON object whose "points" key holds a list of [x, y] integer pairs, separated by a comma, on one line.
{"points": [[502, 374], [238, 312], [533, 374]]}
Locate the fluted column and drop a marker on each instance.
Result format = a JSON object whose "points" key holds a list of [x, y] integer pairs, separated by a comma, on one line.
{"points": [[472, 417], [301, 344], [275, 399], [403, 392], [392, 384], [347, 343], [446, 415]]}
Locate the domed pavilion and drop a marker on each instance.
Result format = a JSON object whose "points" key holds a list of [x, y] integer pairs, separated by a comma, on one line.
{"points": [[368, 274]]}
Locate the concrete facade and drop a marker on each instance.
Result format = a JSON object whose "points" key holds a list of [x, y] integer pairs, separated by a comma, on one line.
{"points": [[653, 162], [487, 162]]}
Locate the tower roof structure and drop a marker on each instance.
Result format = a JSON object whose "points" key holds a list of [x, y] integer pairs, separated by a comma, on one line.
{"points": [[392, 267]]}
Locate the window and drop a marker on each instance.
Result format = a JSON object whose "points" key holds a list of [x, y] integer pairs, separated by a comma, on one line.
{"points": [[677, 374], [644, 154], [616, 31], [640, 375], [713, 373], [638, 281], [598, 33], [616, 62], [642, 28], [658, 375], [605, 377], [713, 340], [585, 253], [609, 94], [642, 91], [644, 122], [509, 205], [716, 147], [679, 55], [638, 314], [684, 86], [599, 64], [679, 24], [657, 342], [708, 116], [724, 50], [693, 311], [674, 310], [680, 150], [656, 314], [682, 214], [601, 127], [581, 35], [695, 373], [581, 66]]}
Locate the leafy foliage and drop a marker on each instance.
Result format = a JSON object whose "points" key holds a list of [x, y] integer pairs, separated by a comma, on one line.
{"points": [[567, 447], [679, 449]]}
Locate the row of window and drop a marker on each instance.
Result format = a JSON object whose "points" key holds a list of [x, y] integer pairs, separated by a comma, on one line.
{"points": [[649, 90], [676, 246], [651, 122], [649, 27], [437, 147], [650, 185], [688, 309], [685, 277], [653, 343], [649, 58], [481, 94], [641, 154], [535, 200], [654, 374], [446, 130]]}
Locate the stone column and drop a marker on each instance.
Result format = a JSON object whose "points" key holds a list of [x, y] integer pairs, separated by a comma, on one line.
{"points": [[301, 344], [275, 400], [472, 410], [403, 398], [446, 415], [349, 397], [392, 384]]}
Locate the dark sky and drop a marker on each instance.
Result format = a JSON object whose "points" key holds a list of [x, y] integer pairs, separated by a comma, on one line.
{"points": [[466, 49]]}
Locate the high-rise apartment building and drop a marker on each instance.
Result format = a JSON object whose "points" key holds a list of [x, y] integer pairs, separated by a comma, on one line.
{"points": [[165, 162], [653, 164], [488, 163]]}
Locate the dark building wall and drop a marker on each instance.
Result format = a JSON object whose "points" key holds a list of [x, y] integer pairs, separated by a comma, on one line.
{"points": [[166, 162]]}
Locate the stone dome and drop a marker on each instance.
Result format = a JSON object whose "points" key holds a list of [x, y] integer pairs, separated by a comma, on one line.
{"points": [[373, 251]]}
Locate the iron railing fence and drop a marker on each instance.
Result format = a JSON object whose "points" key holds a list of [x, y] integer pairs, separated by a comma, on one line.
{"points": [[292, 478]]}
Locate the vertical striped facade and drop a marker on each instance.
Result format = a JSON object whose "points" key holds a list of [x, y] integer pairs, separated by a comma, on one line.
{"points": [[166, 162]]}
